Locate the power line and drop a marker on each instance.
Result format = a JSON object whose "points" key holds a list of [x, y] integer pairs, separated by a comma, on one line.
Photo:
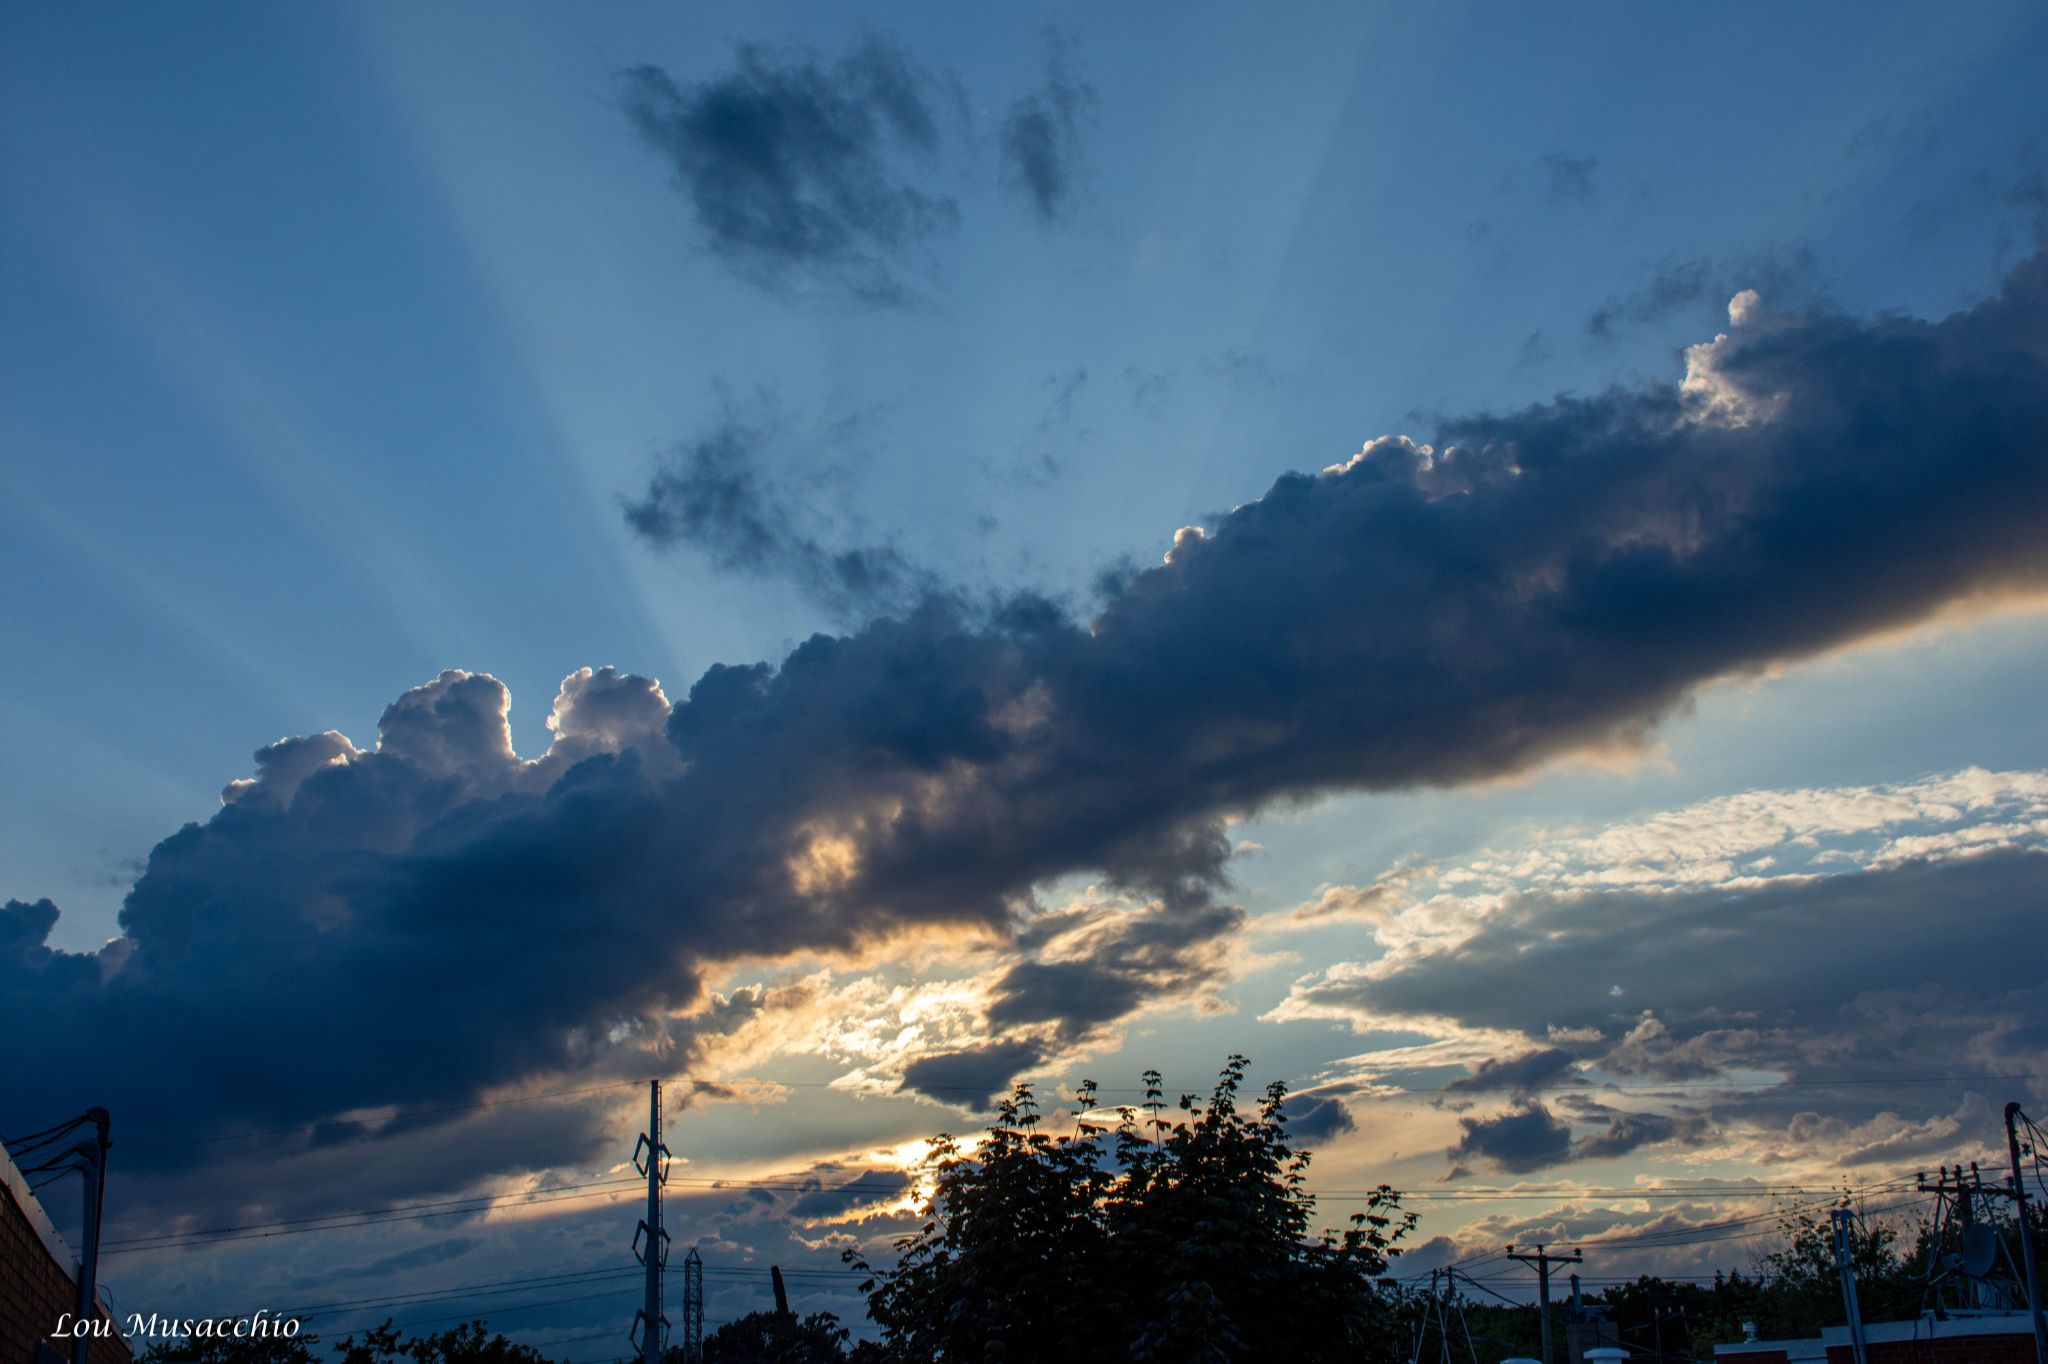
{"points": [[506, 1311], [397, 1116], [367, 1218], [487, 1288], [1674, 1237], [1378, 1092], [594, 1273]]}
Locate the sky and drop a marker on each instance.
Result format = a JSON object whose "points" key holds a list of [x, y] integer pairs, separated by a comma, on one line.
{"points": [[1489, 560]]}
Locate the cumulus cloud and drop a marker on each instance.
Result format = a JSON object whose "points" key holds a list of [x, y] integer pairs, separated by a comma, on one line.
{"points": [[975, 1076], [795, 172], [435, 916], [1041, 138]]}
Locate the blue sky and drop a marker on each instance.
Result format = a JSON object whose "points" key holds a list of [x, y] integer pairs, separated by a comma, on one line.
{"points": [[338, 342]]}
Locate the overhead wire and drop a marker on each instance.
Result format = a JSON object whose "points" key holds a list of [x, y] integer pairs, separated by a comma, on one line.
{"points": [[1376, 1092], [344, 1221], [397, 1116]]}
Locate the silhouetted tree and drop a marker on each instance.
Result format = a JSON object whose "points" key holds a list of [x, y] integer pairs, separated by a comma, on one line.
{"points": [[1794, 1291], [1803, 1288], [775, 1338], [1182, 1240], [469, 1344], [268, 1349]]}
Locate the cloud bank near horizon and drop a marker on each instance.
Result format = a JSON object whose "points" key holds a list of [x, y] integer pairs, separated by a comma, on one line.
{"points": [[435, 917]]}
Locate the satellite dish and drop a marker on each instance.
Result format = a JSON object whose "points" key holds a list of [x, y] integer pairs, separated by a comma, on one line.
{"points": [[1980, 1250]]}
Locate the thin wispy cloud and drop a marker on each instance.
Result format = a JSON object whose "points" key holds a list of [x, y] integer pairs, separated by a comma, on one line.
{"points": [[800, 175], [721, 494], [1042, 134], [1570, 178]]}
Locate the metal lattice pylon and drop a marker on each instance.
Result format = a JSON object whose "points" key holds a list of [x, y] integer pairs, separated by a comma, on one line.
{"points": [[650, 1327], [693, 1308]]}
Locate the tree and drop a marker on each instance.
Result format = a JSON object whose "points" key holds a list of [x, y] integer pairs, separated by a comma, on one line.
{"points": [[469, 1344], [1803, 1286], [227, 1349], [777, 1338], [1183, 1240]]}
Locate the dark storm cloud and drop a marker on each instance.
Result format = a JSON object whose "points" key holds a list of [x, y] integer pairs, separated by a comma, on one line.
{"points": [[435, 919], [716, 494], [1318, 1118], [1531, 1070], [1121, 959], [972, 1078], [793, 170], [1517, 1141], [1625, 1132], [867, 1188], [1570, 177], [1531, 1137], [1041, 139]]}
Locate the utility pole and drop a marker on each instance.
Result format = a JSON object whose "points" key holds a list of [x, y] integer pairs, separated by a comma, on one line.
{"points": [[654, 1253], [92, 1162], [1961, 1214], [1438, 1314], [2019, 1202], [1543, 1261], [1844, 1220]]}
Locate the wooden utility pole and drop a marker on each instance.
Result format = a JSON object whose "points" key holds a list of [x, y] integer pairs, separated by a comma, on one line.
{"points": [[1543, 1260], [2013, 1117]]}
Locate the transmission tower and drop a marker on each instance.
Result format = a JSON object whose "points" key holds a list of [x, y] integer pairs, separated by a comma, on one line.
{"points": [[693, 1308], [649, 1325]]}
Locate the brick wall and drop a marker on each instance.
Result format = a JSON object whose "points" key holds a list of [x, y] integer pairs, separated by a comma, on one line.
{"points": [[35, 1290], [2004, 1348]]}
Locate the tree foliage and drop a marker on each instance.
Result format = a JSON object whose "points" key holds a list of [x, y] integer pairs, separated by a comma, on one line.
{"points": [[1143, 1238], [774, 1338], [228, 1349], [1793, 1291], [472, 1343]]}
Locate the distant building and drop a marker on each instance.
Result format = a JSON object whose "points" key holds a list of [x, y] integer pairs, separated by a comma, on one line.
{"points": [[2001, 1338], [37, 1287]]}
